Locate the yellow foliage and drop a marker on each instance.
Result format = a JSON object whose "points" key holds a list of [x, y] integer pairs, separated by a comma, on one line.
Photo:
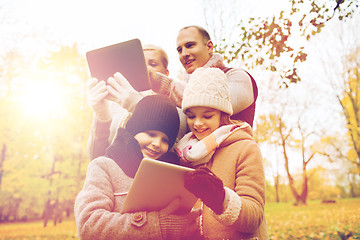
{"points": [[350, 103]]}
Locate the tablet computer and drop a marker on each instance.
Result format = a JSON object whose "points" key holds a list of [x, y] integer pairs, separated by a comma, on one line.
{"points": [[126, 58], [155, 185]]}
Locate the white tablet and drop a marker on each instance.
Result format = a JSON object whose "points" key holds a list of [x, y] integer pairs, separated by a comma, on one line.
{"points": [[126, 58], [155, 185]]}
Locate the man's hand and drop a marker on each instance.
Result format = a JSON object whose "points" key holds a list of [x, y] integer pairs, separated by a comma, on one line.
{"points": [[96, 95], [122, 92]]}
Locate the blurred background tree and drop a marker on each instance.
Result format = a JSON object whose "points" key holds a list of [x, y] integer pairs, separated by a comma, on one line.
{"points": [[279, 45], [46, 132], [276, 43]]}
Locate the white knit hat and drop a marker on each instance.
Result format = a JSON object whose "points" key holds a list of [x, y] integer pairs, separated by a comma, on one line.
{"points": [[207, 87]]}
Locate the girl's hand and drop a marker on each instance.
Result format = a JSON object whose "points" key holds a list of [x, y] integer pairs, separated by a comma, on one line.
{"points": [[205, 185]]}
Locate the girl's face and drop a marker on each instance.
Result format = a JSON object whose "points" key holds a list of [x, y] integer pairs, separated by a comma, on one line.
{"points": [[153, 143], [202, 121]]}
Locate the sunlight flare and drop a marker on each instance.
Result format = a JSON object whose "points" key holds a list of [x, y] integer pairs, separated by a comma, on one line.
{"points": [[42, 99]]}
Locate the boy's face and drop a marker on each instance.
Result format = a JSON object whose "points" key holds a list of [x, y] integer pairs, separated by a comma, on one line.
{"points": [[202, 121], [153, 143], [154, 63], [193, 52]]}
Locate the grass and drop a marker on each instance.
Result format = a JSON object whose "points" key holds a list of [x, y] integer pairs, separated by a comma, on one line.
{"points": [[285, 221], [35, 231], [340, 220]]}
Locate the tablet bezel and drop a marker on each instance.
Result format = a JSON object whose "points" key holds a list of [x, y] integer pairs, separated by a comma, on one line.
{"points": [[124, 57]]}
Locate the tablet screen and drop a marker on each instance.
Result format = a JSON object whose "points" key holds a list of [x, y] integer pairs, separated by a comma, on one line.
{"points": [[126, 58], [155, 185]]}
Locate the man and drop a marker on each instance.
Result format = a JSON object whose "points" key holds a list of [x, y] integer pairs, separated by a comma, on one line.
{"points": [[195, 50]]}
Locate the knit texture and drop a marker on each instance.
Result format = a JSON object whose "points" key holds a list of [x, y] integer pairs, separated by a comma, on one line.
{"points": [[232, 208], [175, 226], [207, 87], [205, 185], [155, 112], [194, 152]]}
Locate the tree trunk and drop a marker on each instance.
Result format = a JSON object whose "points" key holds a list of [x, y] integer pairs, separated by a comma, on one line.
{"points": [[277, 188], [2, 160], [48, 211], [304, 191], [290, 178]]}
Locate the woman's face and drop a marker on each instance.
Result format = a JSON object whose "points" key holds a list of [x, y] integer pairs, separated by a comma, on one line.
{"points": [[154, 63], [153, 143], [202, 121]]}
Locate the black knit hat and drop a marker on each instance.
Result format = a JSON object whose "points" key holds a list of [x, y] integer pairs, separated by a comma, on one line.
{"points": [[155, 112]]}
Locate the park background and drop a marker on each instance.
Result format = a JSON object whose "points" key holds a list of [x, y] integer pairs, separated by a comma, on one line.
{"points": [[304, 55]]}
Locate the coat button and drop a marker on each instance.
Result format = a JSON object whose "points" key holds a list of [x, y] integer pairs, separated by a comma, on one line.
{"points": [[137, 217]]}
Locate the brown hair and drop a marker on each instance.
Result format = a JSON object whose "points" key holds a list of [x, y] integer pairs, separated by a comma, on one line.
{"points": [[205, 35], [164, 56], [225, 119]]}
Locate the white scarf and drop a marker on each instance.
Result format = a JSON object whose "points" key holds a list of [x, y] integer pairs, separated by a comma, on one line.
{"points": [[195, 152]]}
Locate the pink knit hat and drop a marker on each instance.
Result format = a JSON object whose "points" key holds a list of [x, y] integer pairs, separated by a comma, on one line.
{"points": [[207, 87]]}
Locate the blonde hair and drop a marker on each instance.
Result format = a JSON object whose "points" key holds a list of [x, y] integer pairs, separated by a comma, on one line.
{"points": [[164, 56]]}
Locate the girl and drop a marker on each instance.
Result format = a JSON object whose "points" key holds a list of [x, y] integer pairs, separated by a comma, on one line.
{"points": [[150, 132], [229, 176]]}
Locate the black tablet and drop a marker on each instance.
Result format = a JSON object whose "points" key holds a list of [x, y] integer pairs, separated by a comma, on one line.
{"points": [[125, 57]]}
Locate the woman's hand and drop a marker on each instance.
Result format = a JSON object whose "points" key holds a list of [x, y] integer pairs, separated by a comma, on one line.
{"points": [[96, 97], [122, 92]]}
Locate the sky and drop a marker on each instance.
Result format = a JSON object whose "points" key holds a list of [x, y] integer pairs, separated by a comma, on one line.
{"points": [[94, 24]]}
